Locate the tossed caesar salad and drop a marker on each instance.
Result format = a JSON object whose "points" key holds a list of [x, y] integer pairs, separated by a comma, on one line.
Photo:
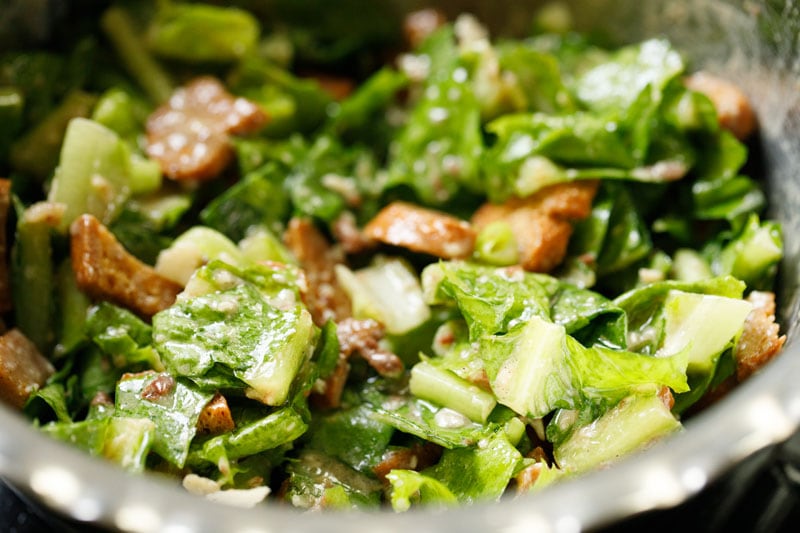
{"points": [[391, 267]]}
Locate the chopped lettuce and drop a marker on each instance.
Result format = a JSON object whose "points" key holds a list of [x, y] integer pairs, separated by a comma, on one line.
{"points": [[257, 200], [504, 369], [353, 436], [237, 331], [410, 486], [445, 388], [319, 481], [466, 475], [93, 174], [632, 424], [387, 291], [197, 32], [438, 150], [253, 435], [173, 406]]}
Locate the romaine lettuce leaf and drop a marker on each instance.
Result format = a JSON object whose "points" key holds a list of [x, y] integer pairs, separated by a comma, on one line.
{"points": [[319, 481], [257, 199], [491, 300], [439, 425], [478, 473], [255, 432], [438, 150], [410, 486], [635, 422], [644, 306], [351, 435], [173, 405], [239, 330], [750, 254], [122, 335]]}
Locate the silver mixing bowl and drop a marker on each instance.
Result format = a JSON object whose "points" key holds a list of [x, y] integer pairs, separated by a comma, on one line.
{"points": [[754, 43]]}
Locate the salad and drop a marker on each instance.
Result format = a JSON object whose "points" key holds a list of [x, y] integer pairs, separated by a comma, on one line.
{"points": [[382, 267]]}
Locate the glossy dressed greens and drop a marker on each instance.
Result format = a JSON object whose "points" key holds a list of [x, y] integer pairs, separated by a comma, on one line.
{"points": [[506, 372]]}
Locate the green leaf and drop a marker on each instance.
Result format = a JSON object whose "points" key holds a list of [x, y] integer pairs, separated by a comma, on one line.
{"points": [[429, 422], [93, 174], [439, 148], [351, 435], [478, 473], [274, 430], [121, 334], [445, 388], [87, 435], [388, 291], [751, 254], [293, 104], [410, 486], [198, 32], [490, 299], [173, 405], [319, 481], [635, 422], [644, 305], [362, 115], [236, 330], [538, 78], [54, 395], [258, 199]]}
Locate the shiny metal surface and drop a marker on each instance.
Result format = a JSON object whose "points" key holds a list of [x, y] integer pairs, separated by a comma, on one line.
{"points": [[753, 43]]}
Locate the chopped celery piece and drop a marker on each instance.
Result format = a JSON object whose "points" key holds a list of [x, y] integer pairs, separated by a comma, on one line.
{"points": [[125, 113], [145, 175], [701, 324], [194, 248], [689, 265], [74, 305], [387, 291], [441, 386], [515, 429], [496, 245], [32, 273], [117, 110], [275, 429], [260, 244], [121, 31], [635, 422], [93, 174], [534, 377], [128, 441], [163, 210]]}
